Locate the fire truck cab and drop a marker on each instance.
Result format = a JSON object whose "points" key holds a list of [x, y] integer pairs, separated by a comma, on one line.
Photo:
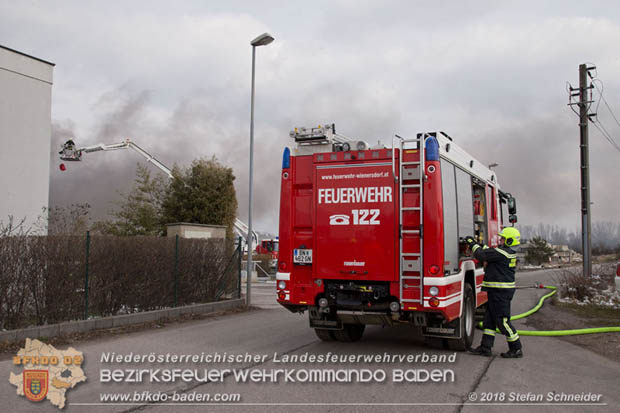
{"points": [[270, 247], [372, 235]]}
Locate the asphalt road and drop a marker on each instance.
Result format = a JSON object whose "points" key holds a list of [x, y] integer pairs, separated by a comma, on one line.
{"points": [[549, 365]]}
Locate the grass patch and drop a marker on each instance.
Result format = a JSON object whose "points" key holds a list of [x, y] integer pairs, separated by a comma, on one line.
{"points": [[603, 316]]}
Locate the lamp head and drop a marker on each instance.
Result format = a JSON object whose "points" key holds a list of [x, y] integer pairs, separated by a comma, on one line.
{"points": [[262, 40]]}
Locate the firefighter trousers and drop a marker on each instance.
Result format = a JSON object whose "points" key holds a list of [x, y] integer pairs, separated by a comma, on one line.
{"points": [[497, 316]]}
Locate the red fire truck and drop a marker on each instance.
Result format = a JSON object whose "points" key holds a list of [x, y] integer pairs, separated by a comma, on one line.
{"points": [[372, 235], [271, 247]]}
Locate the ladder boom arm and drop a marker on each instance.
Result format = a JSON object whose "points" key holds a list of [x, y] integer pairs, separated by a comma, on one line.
{"points": [[128, 144], [239, 226]]}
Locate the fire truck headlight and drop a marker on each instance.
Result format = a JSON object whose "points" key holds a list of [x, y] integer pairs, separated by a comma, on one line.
{"points": [[434, 290], [281, 285], [394, 306], [323, 302]]}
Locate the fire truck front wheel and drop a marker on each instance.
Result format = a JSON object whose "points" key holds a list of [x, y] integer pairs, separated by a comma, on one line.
{"points": [[350, 332], [325, 335]]}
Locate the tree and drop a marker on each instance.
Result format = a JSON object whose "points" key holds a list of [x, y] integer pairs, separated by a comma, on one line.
{"points": [[69, 220], [141, 211], [204, 193], [539, 251]]}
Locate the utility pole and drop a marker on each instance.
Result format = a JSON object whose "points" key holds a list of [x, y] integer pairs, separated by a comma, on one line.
{"points": [[586, 227]]}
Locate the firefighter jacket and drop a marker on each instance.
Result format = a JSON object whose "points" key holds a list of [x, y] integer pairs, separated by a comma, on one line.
{"points": [[500, 268]]}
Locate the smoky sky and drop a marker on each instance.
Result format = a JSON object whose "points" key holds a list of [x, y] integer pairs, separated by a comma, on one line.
{"points": [[176, 80]]}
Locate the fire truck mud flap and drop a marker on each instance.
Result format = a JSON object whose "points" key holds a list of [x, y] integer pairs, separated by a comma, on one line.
{"points": [[450, 330], [324, 322], [337, 321]]}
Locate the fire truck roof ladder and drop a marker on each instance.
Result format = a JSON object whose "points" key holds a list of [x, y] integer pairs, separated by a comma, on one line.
{"points": [[410, 262]]}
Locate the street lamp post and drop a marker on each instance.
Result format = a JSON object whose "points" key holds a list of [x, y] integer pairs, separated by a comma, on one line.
{"points": [[262, 40]]}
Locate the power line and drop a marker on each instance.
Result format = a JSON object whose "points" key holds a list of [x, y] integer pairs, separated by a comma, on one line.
{"points": [[605, 135], [605, 100], [597, 122]]}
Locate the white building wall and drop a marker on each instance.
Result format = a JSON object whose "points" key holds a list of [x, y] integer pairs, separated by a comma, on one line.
{"points": [[25, 135]]}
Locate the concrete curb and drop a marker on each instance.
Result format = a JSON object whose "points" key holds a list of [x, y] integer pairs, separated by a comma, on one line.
{"points": [[82, 326]]}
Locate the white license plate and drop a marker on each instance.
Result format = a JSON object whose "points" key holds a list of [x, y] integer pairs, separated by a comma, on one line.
{"points": [[302, 256]]}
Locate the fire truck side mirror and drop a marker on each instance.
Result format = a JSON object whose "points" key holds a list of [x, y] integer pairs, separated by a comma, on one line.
{"points": [[512, 206], [512, 218]]}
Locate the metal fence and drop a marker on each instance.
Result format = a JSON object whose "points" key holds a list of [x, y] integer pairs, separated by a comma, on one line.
{"points": [[51, 279]]}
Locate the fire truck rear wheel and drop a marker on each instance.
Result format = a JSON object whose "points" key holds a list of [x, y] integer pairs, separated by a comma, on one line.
{"points": [[467, 321], [350, 332], [325, 335]]}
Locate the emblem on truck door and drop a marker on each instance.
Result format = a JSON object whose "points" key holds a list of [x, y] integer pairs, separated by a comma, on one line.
{"points": [[339, 219]]}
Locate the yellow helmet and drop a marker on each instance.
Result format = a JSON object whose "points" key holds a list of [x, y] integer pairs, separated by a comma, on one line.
{"points": [[511, 235]]}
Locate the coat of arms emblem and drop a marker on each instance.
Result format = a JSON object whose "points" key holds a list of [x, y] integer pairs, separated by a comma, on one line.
{"points": [[35, 384]]}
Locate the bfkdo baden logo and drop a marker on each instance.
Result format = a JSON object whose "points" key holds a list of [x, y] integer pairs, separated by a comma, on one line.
{"points": [[35, 384], [47, 373]]}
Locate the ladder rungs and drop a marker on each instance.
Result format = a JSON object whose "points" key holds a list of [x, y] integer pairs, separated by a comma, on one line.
{"points": [[411, 262]]}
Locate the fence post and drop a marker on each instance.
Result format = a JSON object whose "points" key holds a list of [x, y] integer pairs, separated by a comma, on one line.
{"points": [[86, 276], [176, 269], [240, 251]]}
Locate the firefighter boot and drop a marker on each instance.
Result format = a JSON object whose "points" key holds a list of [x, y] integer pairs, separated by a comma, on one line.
{"points": [[513, 354], [481, 351]]}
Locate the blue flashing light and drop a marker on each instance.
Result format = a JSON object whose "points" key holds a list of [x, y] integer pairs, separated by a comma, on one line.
{"points": [[286, 158], [432, 149]]}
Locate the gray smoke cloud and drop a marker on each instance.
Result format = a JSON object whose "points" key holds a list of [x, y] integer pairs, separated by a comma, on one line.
{"points": [[177, 82]]}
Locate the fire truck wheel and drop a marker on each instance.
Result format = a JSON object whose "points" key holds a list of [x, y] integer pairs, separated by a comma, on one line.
{"points": [[325, 335], [467, 321], [350, 332]]}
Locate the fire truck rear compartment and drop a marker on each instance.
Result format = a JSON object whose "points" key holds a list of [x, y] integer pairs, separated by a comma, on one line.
{"points": [[358, 295], [347, 302]]}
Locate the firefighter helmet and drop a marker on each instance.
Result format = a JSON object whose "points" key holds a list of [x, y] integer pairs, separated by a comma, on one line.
{"points": [[511, 235]]}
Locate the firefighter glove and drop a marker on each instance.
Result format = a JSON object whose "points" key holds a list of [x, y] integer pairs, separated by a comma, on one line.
{"points": [[470, 241]]}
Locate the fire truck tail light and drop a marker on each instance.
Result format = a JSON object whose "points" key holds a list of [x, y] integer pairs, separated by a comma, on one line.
{"points": [[282, 265], [281, 285], [433, 302], [434, 290], [63, 167], [281, 296], [434, 269], [286, 158]]}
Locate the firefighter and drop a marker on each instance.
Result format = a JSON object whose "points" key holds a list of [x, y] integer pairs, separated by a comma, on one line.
{"points": [[499, 283]]}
